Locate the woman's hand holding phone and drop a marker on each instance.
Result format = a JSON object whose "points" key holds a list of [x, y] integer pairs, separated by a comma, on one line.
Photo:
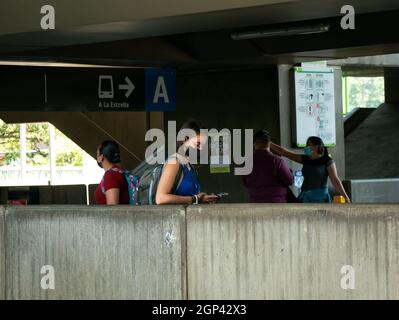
{"points": [[207, 198]]}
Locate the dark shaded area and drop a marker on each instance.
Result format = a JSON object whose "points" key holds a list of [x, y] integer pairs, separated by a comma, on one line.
{"points": [[374, 34], [45, 195]]}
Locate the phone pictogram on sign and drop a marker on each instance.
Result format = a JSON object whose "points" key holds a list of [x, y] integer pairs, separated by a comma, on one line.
{"points": [[105, 87]]}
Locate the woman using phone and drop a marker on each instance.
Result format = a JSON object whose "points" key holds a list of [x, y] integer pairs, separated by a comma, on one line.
{"points": [[318, 166], [188, 190]]}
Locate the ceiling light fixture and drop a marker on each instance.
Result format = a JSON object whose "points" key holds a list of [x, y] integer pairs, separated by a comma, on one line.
{"points": [[281, 32]]}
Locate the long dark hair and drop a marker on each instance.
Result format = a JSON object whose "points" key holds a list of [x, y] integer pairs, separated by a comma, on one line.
{"points": [[321, 148], [110, 150]]}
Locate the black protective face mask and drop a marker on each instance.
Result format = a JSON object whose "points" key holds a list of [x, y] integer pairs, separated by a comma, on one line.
{"points": [[99, 164], [193, 154]]}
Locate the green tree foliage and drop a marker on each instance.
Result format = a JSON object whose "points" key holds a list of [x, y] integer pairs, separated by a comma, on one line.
{"points": [[68, 153], [37, 146], [365, 92], [9, 142]]}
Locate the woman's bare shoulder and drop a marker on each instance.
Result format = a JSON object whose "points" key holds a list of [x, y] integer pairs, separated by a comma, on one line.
{"points": [[177, 158]]}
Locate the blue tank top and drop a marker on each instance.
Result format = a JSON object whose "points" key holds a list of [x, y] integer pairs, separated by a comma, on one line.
{"points": [[189, 185]]}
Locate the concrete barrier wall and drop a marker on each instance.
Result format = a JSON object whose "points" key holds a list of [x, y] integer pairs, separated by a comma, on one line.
{"points": [[235, 251], [97, 252], [2, 255], [292, 252], [373, 191]]}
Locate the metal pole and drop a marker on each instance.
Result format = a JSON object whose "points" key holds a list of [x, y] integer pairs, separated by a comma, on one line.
{"points": [[22, 149], [346, 95], [53, 155]]}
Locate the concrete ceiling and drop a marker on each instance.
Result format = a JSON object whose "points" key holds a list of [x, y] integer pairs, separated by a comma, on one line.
{"points": [[185, 32], [23, 16]]}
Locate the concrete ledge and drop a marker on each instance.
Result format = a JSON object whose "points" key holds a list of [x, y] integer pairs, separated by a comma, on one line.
{"points": [[97, 252], [236, 251], [292, 251], [373, 190], [2, 255]]}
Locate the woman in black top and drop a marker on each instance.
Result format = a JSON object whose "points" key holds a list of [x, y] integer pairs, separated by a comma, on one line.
{"points": [[317, 167]]}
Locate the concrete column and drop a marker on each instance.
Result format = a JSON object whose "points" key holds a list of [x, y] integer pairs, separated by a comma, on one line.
{"points": [[338, 153], [392, 85], [156, 120]]}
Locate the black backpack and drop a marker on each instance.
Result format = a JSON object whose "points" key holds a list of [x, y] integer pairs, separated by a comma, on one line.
{"points": [[148, 185], [149, 176]]}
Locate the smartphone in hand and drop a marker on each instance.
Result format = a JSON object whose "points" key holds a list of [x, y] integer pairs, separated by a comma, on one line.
{"points": [[222, 194]]}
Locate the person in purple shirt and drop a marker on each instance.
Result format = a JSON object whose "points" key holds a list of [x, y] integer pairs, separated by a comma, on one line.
{"points": [[270, 178]]}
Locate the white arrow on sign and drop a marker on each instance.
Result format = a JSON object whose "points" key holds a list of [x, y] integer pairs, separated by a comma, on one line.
{"points": [[129, 87]]}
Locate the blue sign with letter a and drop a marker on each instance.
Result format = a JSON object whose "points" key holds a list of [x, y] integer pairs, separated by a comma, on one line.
{"points": [[160, 90]]}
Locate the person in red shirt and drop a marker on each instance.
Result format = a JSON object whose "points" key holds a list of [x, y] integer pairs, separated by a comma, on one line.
{"points": [[113, 188]]}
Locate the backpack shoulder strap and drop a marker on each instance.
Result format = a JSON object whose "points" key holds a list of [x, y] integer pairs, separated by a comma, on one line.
{"points": [[121, 171]]}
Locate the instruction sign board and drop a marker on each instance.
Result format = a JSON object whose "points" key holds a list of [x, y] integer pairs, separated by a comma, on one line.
{"points": [[220, 153], [314, 104], [87, 89]]}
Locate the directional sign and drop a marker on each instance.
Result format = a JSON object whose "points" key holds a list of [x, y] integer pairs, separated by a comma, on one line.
{"points": [[95, 89], [160, 89], [129, 87], [87, 89]]}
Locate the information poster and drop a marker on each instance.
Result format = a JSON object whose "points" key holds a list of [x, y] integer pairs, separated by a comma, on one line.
{"points": [[314, 105], [220, 159]]}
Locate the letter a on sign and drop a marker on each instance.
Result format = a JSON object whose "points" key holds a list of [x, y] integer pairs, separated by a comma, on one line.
{"points": [[48, 20], [160, 89]]}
